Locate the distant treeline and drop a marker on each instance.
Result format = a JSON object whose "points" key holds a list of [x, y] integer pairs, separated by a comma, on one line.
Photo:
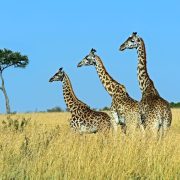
{"points": [[175, 105], [59, 109]]}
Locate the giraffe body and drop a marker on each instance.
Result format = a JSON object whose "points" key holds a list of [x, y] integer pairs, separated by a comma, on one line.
{"points": [[124, 109], [83, 119], [154, 110]]}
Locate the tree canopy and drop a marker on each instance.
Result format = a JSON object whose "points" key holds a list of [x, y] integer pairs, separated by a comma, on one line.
{"points": [[9, 58]]}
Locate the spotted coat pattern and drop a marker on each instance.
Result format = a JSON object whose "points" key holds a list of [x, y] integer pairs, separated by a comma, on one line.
{"points": [[154, 110], [124, 108], [83, 119]]}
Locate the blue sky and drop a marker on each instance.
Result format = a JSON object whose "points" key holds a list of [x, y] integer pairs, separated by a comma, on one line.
{"points": [[58, 33]]}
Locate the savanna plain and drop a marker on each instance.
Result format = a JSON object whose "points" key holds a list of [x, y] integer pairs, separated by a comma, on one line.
{"points": [[42, 146]]}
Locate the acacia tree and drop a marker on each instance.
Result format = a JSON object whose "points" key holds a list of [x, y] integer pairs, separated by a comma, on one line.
{"points": [[8, 59]]}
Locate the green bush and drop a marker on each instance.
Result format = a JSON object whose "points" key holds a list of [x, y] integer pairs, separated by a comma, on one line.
{"points": [[175, 105], [55, 109], [105, 109], [15, 124]]}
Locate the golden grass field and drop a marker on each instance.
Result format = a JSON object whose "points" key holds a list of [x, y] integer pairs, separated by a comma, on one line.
{"points": [[47, 149]]}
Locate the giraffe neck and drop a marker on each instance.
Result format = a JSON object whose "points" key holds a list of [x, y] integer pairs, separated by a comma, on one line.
{"points": [[72, 102], [145, 83], [108, 82]]}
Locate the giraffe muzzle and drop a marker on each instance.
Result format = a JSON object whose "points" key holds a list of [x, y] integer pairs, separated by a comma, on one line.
{"points": [[79, 64], [51, 80], [122, 47]]}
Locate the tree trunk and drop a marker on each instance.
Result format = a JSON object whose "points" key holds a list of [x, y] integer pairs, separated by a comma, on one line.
{"points": [[8, 111]]}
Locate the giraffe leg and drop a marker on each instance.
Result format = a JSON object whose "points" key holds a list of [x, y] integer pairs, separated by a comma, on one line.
{"points": [[115, 120], [156, 128], [165, 127], [142, 129], [167, 121], [123, 128], [160, 133], [142, 120]]}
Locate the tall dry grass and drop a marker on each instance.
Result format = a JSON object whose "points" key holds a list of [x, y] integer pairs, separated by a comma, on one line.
{"points": [[46, 149]]}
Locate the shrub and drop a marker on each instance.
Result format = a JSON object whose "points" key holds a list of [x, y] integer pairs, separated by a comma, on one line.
{"points": [[55, 109], [15, 124], [105, 109], [175, 105]]}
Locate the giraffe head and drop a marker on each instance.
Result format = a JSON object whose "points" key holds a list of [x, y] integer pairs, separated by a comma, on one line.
{"points": [[59, 76], [90, 59], [132, 41]]}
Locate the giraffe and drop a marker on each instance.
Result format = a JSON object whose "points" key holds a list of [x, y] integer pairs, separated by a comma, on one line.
{"points": [[124, 109], [154, 110], [83, 119]]}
